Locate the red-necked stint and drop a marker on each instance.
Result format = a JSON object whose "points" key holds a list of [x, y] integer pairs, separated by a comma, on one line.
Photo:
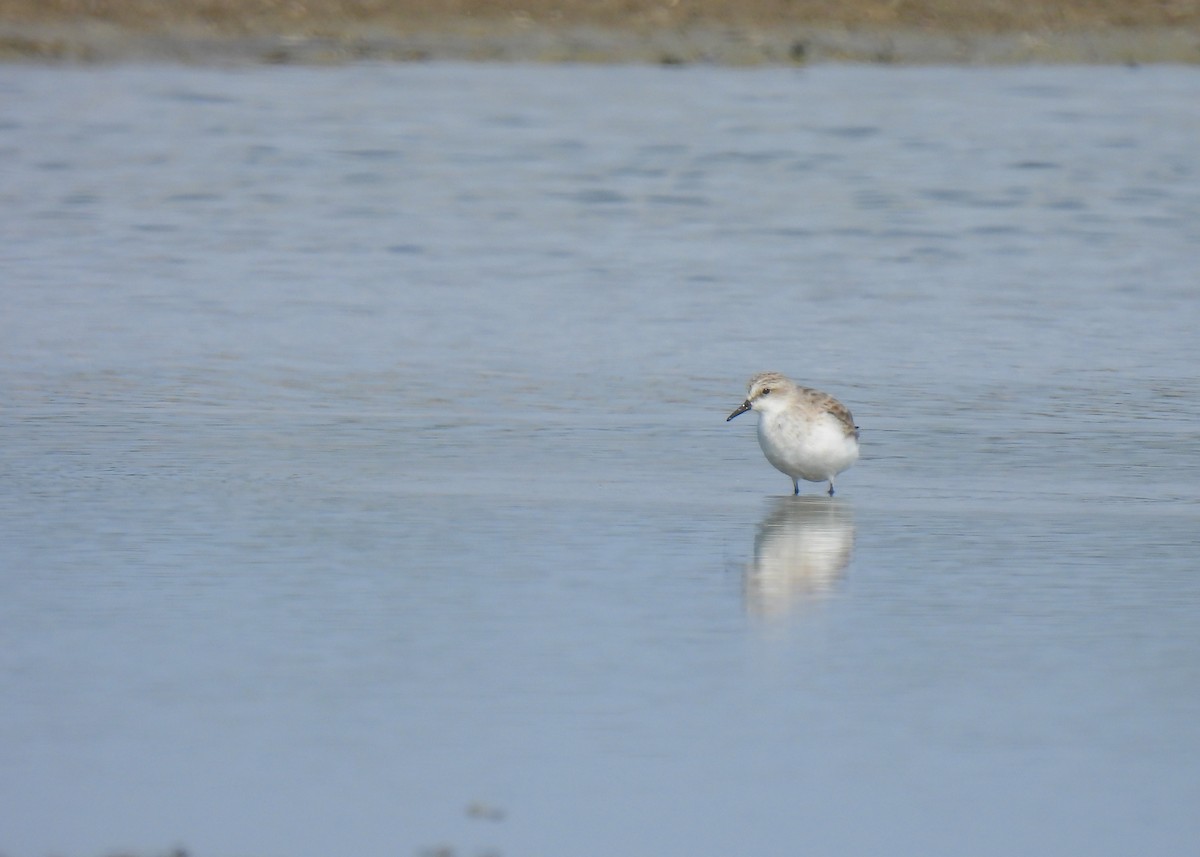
{"points": [[803, 432]]}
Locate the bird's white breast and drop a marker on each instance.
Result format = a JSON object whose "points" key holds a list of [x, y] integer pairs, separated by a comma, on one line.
{"points": [[812, 448]]}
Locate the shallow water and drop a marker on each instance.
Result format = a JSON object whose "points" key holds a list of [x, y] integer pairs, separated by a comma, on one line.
{"points": [[365, 485]]}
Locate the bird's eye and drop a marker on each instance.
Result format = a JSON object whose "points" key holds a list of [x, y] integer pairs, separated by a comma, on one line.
{"points": [[767, 391]]}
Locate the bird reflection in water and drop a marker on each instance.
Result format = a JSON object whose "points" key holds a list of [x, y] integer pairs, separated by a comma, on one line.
{"points": [[800, 552]]}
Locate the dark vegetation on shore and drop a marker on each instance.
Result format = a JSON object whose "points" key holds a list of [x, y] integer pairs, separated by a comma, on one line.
{"points": [[724, 31], [945, 16]]}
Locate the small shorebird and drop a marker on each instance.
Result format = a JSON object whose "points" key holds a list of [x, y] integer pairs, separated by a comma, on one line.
{"points": [[803, 432]]}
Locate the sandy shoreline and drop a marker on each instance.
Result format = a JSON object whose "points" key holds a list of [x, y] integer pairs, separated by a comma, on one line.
{"points": [[727, 32]]}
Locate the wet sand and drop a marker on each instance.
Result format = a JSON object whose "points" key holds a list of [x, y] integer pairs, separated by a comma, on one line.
{"points": [[734, 32]]}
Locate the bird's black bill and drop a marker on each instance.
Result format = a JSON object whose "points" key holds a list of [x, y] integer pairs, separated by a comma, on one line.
{"points": [[745, 407]]}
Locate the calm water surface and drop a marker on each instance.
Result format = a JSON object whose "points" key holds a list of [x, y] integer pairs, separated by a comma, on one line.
{"points": [[365, 486]]}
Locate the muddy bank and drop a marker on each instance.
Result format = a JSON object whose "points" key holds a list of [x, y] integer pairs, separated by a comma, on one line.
{"points": [[736, 32]]}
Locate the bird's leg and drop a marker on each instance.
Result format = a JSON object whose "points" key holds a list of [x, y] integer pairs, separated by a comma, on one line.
{"points": [[830, 487], [795, 487]]}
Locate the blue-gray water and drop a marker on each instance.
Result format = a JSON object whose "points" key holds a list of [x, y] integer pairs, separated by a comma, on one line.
{"points": [[365, 486]]}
